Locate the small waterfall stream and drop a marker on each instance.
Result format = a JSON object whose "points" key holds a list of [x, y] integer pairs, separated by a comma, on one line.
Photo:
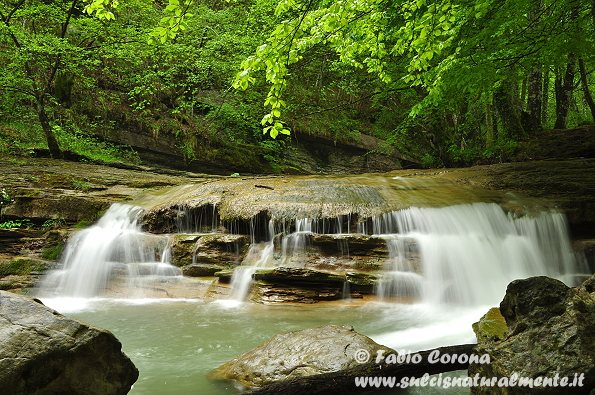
{"points": [[113, 254], [260, 255], [467, 254]]}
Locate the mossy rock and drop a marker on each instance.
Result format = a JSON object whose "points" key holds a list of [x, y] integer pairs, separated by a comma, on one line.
{"points": [[52, 253], [224, 276], [22, 266], [201, 270], [362, 282], [363, 279], [285, 275], [491, 326]]}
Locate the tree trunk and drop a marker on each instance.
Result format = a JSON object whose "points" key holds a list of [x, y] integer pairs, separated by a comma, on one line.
{"points": [[506, 103], [534, 101], [343, 382], [564, 86], [585, 86], [490, 130], [55, 151], [545, 96], [523, 94]]}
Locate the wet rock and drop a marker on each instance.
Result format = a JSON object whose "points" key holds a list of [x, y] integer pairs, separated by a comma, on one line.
{"points": [[201, 270], [295, 285], [271, 294], [14, 241], [223, 250], [17, 283], [349, 244], [291, 275], [362, 282], [182, 249], [550, 333], [330, 348], [224, 276], [586, 248], [21, 273], [44, 352], [69, 206]]}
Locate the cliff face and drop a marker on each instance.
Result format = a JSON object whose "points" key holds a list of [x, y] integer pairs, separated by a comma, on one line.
{"points": [[305, 154]]}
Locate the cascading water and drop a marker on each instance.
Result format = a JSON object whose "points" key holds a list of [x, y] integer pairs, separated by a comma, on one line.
{"points": [[294, 247], [259, 255], [294, 244], [402, 276], [464, 254], [467, 254], [113, 254]]}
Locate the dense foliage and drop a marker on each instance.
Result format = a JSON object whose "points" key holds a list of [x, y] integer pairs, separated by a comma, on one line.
{"points": [[446, 82]]}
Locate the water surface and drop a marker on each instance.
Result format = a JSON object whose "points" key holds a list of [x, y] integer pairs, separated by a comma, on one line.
{"points": [[174, 344]]}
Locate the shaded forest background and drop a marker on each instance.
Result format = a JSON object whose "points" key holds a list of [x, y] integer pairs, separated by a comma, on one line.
{"points": [[476, 78]]}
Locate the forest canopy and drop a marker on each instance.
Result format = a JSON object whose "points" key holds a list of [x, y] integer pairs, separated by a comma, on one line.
{"points": [[448, 82]]}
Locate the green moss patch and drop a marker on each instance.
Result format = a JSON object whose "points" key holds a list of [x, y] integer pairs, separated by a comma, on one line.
{"points": [[22, 267]]}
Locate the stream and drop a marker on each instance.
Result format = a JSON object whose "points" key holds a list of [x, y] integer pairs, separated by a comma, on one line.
{"points": [[174, 344], [443, 267]]}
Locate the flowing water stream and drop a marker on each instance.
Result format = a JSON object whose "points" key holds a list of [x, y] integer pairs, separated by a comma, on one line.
{"points": [[454, 261]]}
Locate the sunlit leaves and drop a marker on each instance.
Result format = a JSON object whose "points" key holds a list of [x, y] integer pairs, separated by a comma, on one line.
{"points": [[419, 42], [172, 23], [102, 9], [365, 34]]}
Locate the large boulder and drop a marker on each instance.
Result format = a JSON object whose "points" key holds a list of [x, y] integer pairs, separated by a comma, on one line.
{"points": [[308, 352], [43, 352], [549, 334]]}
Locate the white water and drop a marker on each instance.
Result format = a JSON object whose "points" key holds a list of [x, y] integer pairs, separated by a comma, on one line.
{"points": [[463, 254], [469, 253], [294, 245], [260, 255], [114, 253]]}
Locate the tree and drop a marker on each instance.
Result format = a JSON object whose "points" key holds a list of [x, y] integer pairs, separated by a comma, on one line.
{"points": [[468, 47], [585, 85], [563, 88], [49, 47], [38, 48]]}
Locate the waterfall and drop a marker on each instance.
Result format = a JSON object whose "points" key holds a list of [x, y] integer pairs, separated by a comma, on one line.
{"points": [[294, 245], [463, 254], [259, 255], [112, 256], [467, 254]]}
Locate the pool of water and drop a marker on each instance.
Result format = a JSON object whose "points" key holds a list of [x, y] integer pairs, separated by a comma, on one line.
{"points": [[175, 343]]}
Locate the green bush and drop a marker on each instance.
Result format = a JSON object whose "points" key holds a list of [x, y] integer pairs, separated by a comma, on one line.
{"points": [[15, 224], [53, 223]]}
